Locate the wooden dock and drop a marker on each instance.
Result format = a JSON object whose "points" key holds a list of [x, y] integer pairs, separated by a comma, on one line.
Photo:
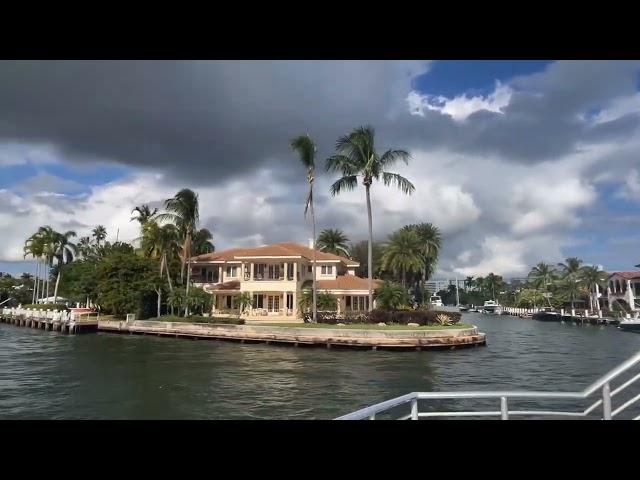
{"points": [[55, 323]]}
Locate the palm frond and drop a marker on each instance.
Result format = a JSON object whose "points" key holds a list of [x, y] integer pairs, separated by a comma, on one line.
{"points": [[390, 157], [306, 149], [342, 164], [348, 182], [399, 181]]}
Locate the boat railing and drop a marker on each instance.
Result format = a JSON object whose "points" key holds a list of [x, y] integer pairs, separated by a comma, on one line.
{"points": [[601, 388]]}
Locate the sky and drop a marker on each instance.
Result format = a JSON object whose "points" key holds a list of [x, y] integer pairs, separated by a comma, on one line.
{"points": [[515, 161]]}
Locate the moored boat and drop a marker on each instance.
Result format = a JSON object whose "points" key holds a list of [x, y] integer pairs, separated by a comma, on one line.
{"points": [[547, 314], [631, 325], [491, 306]]}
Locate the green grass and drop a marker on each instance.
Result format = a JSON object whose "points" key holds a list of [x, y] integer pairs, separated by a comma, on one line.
{"points": [[365, 326], [199, 319]]}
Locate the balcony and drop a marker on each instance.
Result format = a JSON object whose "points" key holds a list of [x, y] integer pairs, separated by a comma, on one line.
{"points": [[267, 278]]}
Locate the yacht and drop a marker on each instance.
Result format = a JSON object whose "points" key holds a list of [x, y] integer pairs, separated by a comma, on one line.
{"points": [[491, 306], [435, 301], [631, 324]]}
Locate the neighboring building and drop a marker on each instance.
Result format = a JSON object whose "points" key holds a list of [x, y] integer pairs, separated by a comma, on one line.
{"points": [[624, 286], [274, 275], [434, 286]]}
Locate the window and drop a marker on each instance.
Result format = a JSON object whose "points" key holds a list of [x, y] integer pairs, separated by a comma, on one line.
{"points": [[258, 301], [309, 269], [229, 301], [289, 301], [259, 271], [326, 270], [232, 272], [274, 272], [348, 299]]}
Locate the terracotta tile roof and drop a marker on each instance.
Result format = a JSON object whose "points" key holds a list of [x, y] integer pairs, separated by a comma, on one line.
{"points": [[627, 275], [285, 249], [346, 282]]}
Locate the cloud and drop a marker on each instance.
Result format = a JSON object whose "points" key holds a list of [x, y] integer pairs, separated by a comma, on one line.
{"points": [[631, 188]]}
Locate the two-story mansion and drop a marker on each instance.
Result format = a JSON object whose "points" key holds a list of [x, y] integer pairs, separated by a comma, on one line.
{"points": [[274, 275]]}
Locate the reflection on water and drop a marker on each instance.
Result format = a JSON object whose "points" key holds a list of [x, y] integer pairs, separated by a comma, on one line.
{"points": [[110, 376]]}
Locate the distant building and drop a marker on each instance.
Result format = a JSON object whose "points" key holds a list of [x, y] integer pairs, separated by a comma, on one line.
{"points": [[434, 286]]}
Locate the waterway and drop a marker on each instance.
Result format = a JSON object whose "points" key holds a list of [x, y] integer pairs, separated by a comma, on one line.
{"points": [[47, 375]]}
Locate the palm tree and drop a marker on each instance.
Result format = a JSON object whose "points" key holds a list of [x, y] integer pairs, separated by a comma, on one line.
{"points": [[201, 242], [333, 240], [359, 251], [390, 296], [306, 150], [34, 246], [64, 253], [543, 275], [493, 282], [99, 233], [570, 272], [403, 253], [183, 211], [144, 214], [243, 301], [468, 282], [85, 246], [592, 278], [49, 238], [356, 157], [431, 240]]}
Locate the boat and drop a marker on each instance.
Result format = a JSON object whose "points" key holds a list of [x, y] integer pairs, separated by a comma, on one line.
{"points": [[547, 314], [463, 308], [435, 301], [630, 325], [491, 306], [526, 316]]}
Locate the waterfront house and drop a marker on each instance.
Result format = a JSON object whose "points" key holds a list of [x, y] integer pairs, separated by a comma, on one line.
{"points": [[274, 276], [624, 286]]}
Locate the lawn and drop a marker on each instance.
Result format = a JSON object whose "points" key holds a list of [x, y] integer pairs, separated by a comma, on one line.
{"points": [[366, 326]]}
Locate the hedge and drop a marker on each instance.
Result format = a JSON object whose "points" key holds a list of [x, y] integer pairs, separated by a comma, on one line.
{"points": [[399, 317], [199, 319], [46, 306]]}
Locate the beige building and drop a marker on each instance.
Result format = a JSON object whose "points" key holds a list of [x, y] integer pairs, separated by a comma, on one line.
{"points": [[273, 276]]}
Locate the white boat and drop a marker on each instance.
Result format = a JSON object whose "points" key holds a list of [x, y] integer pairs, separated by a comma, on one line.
{"points": [[491, 306], [435, 301]]}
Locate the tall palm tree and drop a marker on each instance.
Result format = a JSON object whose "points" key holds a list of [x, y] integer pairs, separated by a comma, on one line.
{"points": [[183, 211], [542, 276], [144, 214], [402, 253], [49, 238], [493, 282], [64, 252], [355, 158], [333, 240], [201, 242], [431, 240], [570, 273], [306, 150], [34, 246], [99, 233], [593, 278]]}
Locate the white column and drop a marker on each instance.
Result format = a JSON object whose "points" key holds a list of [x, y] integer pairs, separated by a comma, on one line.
{"points": [[251, 277], [609, 298], [285, 271], [220, 274], [630, 296]]}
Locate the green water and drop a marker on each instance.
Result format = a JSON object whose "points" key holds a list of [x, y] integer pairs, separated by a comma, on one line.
{"points": [[47, 375]]}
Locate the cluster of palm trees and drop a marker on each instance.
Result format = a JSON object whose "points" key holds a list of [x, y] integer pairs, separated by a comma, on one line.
{"points": [[173, 237], [357, 161], [45, 246], [571, 279]]}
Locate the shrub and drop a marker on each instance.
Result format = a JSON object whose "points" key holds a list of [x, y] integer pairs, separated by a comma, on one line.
{"points": [[400, 317], [46, 306], [199, 319]]}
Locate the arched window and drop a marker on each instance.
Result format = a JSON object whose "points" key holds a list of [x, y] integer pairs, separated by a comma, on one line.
{"points": [[618, 286]]}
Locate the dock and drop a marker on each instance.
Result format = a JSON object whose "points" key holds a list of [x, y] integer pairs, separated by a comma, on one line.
{"points": [[53, 320], [586, 317]]}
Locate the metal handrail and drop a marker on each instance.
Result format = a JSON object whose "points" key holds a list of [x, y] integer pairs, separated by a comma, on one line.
{"points": [[602, 384]]}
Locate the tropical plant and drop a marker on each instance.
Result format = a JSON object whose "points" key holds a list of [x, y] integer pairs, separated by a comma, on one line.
{"points": [[85, 247], [306, 149], [333, 241], [391, 296], [593, 278], [176, 299], [359, 252], [468, 283], [403, 253], [34, 246], [355, 158], [431, 241], [183, 212], [201, 242], [144, 214], [243, 302], [198, 300], [64, 252], [543, 276], [99, 233], [493, 282]]}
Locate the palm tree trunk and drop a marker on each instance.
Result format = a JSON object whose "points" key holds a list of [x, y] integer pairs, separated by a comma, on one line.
{"points": [[159, 292], [167, 269], [314, 304], [55, 291], [35, 283], [48, 273], [370, 249], [188, 253]]}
